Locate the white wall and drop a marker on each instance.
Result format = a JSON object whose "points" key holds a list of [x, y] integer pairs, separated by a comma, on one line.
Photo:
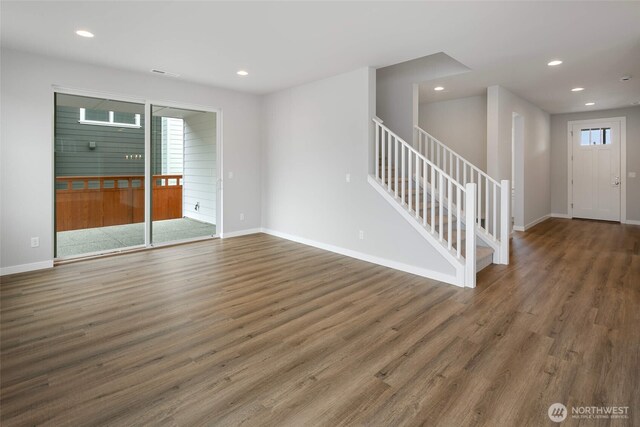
{"points": [[534, 187], [315, 134], [199, 179], [397, 96], [461, 124], [26, 146], [559, 173]]}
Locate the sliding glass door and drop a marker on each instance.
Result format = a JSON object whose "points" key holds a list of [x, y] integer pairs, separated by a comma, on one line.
{"points": [[100, 183], [99, 175], [183, 166]]}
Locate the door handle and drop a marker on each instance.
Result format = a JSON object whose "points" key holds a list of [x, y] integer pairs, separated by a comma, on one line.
{"points": [[617, 181]]}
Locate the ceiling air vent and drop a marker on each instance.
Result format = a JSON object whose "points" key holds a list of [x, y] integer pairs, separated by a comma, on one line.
{"points": [[165, 73]]}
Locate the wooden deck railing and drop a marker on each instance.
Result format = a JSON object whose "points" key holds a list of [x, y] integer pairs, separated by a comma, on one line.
{"points": [[99, 201]]}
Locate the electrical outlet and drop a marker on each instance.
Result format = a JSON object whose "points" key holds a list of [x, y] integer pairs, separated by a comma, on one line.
{"points": [[35, 242], [230, 175], [241, 217], [361, 235], [632, 174], [348, 177]]}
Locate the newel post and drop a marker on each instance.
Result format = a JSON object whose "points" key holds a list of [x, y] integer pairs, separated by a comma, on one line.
{"points": [[505, 220], [470, 236]]}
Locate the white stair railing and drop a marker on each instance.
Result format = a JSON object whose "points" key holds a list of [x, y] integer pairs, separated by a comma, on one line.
{"points": [[407, 175], [493, 202]]}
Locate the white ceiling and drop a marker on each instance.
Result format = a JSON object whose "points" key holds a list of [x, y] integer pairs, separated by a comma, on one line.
{"points": [[283, 44]]}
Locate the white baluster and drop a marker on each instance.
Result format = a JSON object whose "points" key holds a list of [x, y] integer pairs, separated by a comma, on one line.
{"points": [[470, 237], [440, 203], [424, 193], [389, 161], [479, 208], [377, 161], [433, 199], [395, 167], [449, 213], [409, 198], [417, 186], [458, 221], [432, 142], [486, 204], [382, 158], [404, 175], [495, 211]]}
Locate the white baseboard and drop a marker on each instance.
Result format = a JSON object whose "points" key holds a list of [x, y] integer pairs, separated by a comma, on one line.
{"points": [[626, 221], [23, 268], [240, 233], [537, 221], [423, 272], [532, 223]]}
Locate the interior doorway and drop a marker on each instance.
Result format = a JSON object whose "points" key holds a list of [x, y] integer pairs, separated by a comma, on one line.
{"points": [[517, 172], [595, 165]]}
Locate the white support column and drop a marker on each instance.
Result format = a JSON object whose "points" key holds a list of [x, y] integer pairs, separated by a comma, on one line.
{"points": [[470, 236], [505, 220]]}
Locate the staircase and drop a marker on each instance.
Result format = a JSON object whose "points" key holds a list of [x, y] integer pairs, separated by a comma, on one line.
{"points": [[454, 205]]}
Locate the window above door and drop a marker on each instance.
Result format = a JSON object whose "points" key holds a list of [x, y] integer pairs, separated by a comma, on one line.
{"points": [[595, 136]]}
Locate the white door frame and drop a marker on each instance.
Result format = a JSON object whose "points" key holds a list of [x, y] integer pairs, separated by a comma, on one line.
{"points": [[147, 144], [623, 162]]}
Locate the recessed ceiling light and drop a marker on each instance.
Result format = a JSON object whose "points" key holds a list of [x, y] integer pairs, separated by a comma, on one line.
{"points": [[84, 33], [438, 88], [554, 63], [577, 89], [589, 104], [242, 73]]}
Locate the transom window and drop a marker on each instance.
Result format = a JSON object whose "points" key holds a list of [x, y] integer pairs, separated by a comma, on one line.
{"points": [[595, 136], [109, 118]]}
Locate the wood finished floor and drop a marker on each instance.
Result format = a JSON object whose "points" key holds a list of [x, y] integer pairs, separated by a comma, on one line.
{"points": [[256, 330]]}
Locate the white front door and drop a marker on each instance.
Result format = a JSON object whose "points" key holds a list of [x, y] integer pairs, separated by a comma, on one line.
{"points": [[596, 170]]}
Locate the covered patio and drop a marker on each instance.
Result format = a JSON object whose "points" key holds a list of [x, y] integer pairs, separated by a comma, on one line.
{"points": [[91, 240]]}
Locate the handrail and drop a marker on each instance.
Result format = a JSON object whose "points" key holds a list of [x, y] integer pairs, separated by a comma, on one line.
{"points": [[419, 129], [419, 155]]}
